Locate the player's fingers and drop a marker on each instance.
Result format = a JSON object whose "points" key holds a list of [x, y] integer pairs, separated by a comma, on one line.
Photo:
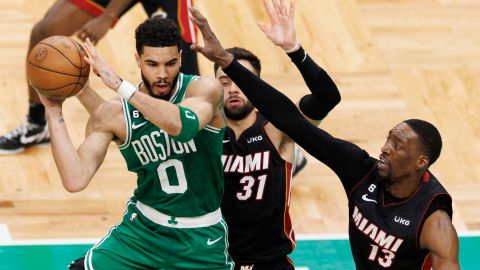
{"points": [[90, 48], [291, 12], [269, 9], [202, 24], [195, 16], [194, 21], [92, 64], [283, 8], [276, 7], [42, 98], [197, 48], [91, 52], [89, 61], [200, 20]]}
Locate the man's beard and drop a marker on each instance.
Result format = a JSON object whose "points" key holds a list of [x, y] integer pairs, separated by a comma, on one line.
{"points": [[240, 113], [149, 87]]}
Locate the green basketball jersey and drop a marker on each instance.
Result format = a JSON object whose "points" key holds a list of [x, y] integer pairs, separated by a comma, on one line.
{"points": [[182, 179]]}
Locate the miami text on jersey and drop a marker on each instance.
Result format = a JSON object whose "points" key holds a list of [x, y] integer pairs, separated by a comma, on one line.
{"points": [[371, 230], [245, 164]]}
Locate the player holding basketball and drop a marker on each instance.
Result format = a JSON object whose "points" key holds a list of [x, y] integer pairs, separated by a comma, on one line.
{"points": [[399, 213], [88, 18], [258, 157], [170, 130]]}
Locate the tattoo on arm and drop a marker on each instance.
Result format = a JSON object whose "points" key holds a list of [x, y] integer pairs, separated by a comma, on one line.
{"points": [[60, 119]]}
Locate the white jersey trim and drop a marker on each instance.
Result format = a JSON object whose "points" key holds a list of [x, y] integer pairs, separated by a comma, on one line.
{"points": [[212, 129], [179, 222]]}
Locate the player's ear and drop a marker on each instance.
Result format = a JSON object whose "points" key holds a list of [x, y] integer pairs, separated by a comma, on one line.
{"points": [[137, 59], [423, 163]]}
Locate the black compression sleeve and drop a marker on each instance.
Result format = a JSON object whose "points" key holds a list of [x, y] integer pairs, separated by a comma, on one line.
{"points": [[325, 95], [348, 161]]}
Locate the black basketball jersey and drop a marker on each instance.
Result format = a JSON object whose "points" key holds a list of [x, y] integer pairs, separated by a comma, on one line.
{"points": [[257, 195], [386, 235]]}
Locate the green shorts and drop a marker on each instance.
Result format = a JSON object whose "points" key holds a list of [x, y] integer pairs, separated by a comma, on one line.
{"points": [[140, 243]]}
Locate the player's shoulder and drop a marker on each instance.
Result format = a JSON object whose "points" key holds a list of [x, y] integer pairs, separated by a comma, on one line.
{"points": [[107, 111], [204, 85], [109, 106]]}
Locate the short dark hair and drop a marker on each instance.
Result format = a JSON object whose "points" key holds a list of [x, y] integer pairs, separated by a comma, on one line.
{"points": [[243, 54], [429, 137], [157, 32]]}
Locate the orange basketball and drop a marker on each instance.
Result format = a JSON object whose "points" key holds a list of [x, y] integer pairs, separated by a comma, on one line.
{"points": [[56, 68]]}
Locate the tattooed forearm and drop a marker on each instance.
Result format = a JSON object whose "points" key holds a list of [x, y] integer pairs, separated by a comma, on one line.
{"points": [[111, 80], [61, 119]]}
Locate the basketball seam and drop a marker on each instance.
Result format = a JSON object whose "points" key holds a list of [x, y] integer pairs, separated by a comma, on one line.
{"points": [[79, 49], [60, 52], [50, 89], [81, 67], [54, 71]]}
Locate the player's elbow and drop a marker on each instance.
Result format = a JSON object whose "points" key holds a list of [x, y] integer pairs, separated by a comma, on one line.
{"points": [[72, 189], [72, 185], [336, 99], [331, 100], [175, 129]]}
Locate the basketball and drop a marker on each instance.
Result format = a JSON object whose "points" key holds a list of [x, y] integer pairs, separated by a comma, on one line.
{"points": [[56, 68]]}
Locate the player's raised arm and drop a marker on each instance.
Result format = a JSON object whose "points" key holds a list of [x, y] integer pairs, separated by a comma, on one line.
{"points": [[279, 109], [281, 31], [76, 167]]}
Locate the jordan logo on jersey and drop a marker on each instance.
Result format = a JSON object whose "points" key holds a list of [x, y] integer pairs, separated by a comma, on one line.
{"points": [[245, 164]]}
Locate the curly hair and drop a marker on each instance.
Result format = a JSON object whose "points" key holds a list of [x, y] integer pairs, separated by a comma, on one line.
{"points": [[157, 32], [429, 137]]}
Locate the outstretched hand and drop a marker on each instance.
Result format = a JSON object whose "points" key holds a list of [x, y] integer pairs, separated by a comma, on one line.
{"points": [[213, 49], [282, 31], [95, 29], [100, 67]]}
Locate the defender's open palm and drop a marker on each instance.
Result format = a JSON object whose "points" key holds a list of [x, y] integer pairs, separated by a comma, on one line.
{"points": [[213, 49], [100, 67], [282, 31]]}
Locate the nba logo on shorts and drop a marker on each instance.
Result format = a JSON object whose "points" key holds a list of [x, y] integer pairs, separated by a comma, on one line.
{"points": [[133, 216]]}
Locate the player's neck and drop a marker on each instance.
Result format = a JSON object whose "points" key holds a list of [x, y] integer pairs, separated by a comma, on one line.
{"points": [[403, 188], [239, 126]]}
